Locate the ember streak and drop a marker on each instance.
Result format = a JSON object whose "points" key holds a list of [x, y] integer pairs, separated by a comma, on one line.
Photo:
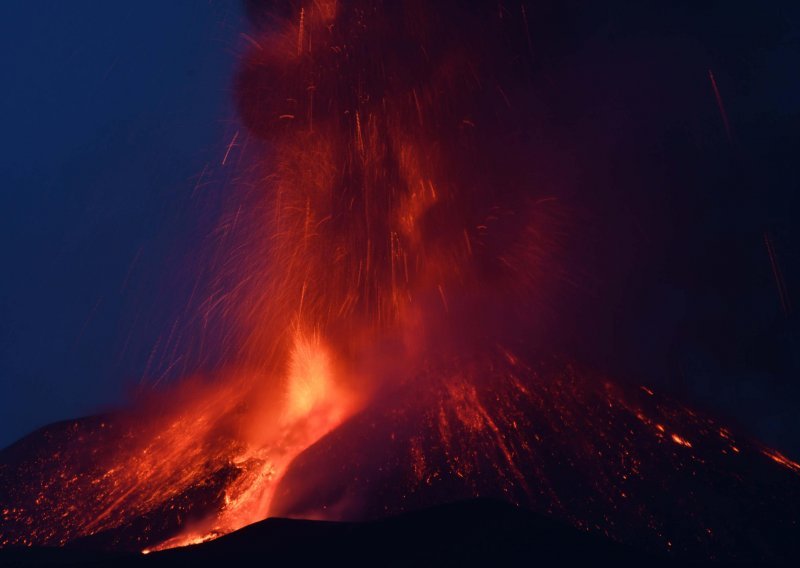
{"points": [[393, 249]]}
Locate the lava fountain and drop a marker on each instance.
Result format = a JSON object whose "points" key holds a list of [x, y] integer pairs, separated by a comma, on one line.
{"points": [[390, 288]]}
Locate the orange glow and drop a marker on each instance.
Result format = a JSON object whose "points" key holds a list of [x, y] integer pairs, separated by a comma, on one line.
{"points": [[311, 406], [378, 273], [681, 441], [778, 457]]}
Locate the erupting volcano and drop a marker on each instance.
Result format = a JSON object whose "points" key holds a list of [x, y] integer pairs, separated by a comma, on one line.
{"points": [[390, 271]]}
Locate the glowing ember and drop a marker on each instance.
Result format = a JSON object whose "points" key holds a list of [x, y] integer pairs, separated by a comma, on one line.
{"points": [[681, 441], [383, 266], [778, 457]]}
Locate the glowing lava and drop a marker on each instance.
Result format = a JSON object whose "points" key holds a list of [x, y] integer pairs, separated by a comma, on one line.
{"points": [[389, 255]]}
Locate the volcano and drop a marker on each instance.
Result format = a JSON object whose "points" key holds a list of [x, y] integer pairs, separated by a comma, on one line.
{"points": [[391, 271], [624, 463], [475, 532]]}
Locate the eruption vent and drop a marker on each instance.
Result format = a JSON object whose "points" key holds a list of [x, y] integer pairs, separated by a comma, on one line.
{"points": [[391, 285]]}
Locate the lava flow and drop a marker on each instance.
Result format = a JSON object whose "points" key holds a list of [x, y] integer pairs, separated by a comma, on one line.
{"points": [[389, 285]]}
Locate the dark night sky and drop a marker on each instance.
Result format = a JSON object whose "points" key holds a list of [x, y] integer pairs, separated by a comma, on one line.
{"points": [[110, 113], [112, 110]]}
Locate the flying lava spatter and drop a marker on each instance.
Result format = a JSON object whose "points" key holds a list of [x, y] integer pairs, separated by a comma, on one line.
{"points": [[395, 253]]}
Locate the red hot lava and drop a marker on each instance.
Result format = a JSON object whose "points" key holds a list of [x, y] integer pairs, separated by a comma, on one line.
{"points": [[395, 245]]}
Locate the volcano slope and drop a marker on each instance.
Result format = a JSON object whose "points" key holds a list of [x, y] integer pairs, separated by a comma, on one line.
{"points": [[614, 461]]}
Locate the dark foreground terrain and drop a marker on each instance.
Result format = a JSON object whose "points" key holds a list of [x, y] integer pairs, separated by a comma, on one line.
{"points": [[479, 532]]}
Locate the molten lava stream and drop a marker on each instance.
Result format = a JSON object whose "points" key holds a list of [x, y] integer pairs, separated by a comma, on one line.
{"points": [[391, 282], [275, 432]]}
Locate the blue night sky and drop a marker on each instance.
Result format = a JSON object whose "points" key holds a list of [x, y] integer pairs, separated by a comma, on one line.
{"points": [[110, 113]]}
